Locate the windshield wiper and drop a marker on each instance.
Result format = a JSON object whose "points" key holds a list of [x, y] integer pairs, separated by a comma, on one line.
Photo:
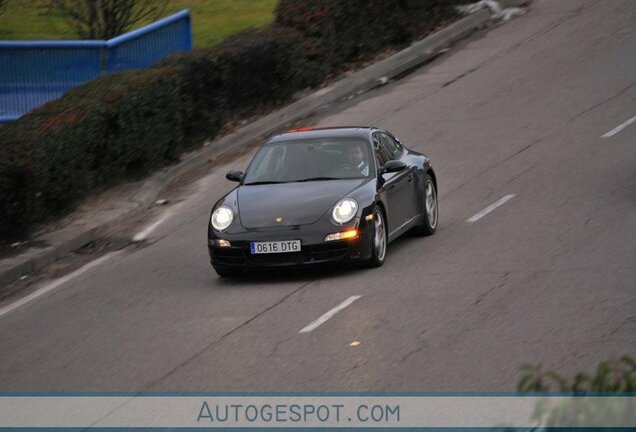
{"points": [[317, 179], [263, 183], [299, 181]]}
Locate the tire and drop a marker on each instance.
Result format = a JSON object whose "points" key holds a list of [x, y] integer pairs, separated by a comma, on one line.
{"points": [[224, 272], [430, 212], [379, 243]]}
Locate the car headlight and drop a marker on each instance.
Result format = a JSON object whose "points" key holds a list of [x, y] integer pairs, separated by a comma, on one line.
{"points": [[344, 210], [222, 218]]}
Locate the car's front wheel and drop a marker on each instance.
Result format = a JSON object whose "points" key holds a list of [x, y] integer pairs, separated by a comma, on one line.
{"points": [[379, 244], [430, 210]]}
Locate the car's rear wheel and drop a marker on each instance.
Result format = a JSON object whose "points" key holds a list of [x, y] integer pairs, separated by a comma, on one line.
{"points": [[379, 244], [428, 226]]}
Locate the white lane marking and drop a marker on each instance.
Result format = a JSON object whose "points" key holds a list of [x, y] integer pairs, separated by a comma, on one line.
{"points": [[490, 208], [56, 283], [313, 325], [143, 234], [619, 128]]}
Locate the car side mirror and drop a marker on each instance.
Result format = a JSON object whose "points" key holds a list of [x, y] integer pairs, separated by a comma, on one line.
{"points": [[235, 176], [393, 166]]}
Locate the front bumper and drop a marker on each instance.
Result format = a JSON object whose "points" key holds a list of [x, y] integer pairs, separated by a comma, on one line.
{"points": [[314, 250]]}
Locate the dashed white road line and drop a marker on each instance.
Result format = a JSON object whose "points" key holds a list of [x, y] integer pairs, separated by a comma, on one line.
{"points": [[55, 284], [490, 208], [324, 318], [143, 234], [619, 128]]}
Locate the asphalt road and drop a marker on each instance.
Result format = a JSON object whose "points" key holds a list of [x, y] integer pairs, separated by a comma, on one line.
{"points": [[547, 277]]}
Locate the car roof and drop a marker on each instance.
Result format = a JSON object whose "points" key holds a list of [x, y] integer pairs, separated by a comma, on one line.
{"points": [[327, 132]]}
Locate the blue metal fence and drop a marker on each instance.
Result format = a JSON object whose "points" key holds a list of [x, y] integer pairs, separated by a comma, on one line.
{"points": [[33, 73]]}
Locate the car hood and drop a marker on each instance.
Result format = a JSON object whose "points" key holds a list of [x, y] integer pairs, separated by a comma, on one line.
{"points": [[296, 203]]}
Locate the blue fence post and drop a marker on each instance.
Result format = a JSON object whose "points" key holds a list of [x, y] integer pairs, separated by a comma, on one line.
{"points": [[147, 45], [103, 59], [188, 34]]}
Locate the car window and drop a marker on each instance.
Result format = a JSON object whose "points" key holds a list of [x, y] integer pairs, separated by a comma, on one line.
{"points": [[392, 146], [311, 160], [382, 154], [271, 162]]}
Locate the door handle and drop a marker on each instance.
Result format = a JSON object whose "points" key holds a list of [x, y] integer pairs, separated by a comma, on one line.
{"points": [[410, 177]]}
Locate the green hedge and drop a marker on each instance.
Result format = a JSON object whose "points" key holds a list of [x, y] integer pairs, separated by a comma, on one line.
{"points": [[244, 75], [336, 32], [115, 127], [124, 125]]}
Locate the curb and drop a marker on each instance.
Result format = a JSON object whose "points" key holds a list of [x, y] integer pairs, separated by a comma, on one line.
{"points": [[63, 241]]}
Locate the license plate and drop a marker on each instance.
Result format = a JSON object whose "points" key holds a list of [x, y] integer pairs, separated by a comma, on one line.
{"points": [[275, 247]]}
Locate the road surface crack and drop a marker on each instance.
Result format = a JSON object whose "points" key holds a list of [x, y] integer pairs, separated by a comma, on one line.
{"points": [[226, 335], [503, 283], [604, 101], [413, 352], [629, 321], [496, 164], [489, 60]]}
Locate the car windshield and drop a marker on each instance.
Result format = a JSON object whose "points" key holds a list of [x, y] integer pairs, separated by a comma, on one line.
{"points": [[310, 160]]}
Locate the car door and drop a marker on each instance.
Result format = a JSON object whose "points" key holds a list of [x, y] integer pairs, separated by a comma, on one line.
{"points": [[398, 186], [412, 203]]}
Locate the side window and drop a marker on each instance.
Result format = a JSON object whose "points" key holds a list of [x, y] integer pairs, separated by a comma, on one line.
{"points": [[381, 152], [392, 146]]}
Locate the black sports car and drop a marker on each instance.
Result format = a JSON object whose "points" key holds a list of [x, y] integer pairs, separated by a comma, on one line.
{"points": [[322, 195]]}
